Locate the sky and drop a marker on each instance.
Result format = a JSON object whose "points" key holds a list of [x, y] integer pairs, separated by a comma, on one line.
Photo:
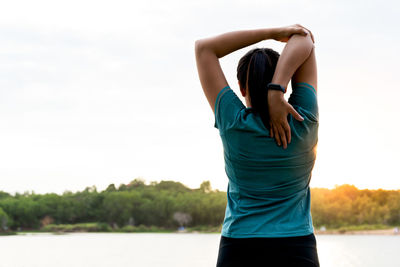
{"points": [[101, 92]]}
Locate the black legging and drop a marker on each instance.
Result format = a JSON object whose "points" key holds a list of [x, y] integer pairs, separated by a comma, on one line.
{"points": [[299, 251]]}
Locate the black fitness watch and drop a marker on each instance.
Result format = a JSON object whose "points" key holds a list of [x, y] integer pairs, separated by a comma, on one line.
{"points": [[275, 86]]}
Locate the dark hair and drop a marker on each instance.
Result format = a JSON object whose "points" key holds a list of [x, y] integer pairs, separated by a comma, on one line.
{"points": [[255, 70]]}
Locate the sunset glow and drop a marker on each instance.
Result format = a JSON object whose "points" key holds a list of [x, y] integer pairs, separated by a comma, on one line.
{"points": [[94, 93]]}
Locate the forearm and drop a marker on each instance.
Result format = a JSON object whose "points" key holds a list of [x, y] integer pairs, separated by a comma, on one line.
{"points": [[296, 51], [227, 43]]}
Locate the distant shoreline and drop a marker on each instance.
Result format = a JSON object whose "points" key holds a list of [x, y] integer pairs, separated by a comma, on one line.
{"points": [[391, 231]]}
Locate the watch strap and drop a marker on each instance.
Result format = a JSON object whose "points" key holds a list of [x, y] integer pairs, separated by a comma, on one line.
{"points": [[275, 86]]}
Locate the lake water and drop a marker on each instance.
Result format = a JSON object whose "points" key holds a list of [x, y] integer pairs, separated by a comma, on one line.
{"points": [[175, 250]]}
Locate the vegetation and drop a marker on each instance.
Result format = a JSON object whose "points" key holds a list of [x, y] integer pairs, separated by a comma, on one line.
{"points": [[167, 205], [135, 207], [346, 206]]}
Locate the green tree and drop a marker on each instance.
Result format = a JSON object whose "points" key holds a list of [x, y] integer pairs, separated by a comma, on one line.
{"points": [[111, 188], [205, 187], [4, 220]]}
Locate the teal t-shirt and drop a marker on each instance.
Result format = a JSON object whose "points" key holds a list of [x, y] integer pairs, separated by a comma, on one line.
{"points": [[268, 191]]}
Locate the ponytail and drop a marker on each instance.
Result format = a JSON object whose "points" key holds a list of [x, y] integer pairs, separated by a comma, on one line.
{"points": [[255, 70]]}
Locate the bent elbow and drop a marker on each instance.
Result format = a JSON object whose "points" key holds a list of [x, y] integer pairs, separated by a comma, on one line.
{"points": [[308, 44], [198, 46], [303, 44]]}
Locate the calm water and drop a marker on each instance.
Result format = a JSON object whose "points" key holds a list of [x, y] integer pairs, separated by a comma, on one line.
{"points": [[174, 250]]}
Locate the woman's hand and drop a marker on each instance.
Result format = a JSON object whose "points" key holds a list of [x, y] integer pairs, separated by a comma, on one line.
{"points": [[283, 34], [279, 108]]}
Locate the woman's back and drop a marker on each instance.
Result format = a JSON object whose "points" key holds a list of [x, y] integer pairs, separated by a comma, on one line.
{"points": [[267, 219], [268, 192]]}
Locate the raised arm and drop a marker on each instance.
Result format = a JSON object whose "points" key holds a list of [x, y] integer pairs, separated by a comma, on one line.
{"points": [[295, 53], [296, 62], [209, 50]]}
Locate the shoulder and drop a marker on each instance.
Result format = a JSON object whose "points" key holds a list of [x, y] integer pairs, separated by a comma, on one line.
{"points": [[227, 108], [304, 100]]}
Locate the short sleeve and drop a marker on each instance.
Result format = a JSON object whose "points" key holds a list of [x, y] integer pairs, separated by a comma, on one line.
{"points": [[227, 107], [305, 97]]}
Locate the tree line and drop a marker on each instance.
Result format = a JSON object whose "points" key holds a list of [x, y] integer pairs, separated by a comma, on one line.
{"points": [[169, 204], [346, 205]]}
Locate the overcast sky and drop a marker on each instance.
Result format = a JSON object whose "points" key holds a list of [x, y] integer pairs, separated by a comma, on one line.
{"points": [[101, 92]]}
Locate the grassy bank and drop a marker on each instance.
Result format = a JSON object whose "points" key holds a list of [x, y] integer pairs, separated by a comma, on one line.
{"points": [[8, 233], [79, 227], [101, 227], [359, 229], [204, 229], [104, 227]]}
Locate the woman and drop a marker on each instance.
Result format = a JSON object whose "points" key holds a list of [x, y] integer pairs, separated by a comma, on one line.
{"points": [[269, 146]]}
